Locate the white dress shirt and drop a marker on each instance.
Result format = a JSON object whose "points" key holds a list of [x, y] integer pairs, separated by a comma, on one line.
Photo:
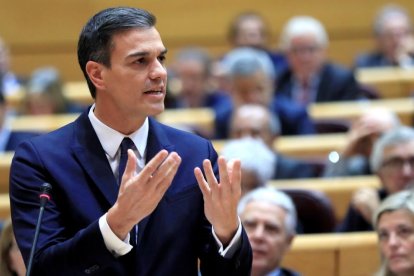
{"points": [[110, 140]]}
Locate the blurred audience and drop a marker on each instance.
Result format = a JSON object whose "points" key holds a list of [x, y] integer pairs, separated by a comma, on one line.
{"points": [[311, 77], [392, 160], [250, 29], [11, 263], [44, 94], [354, 158], [10, 139], [257, 161], [393, 31], [251, 81], [190, 80], [9, 82], [258, 122], [269, 218], [394, 224]]}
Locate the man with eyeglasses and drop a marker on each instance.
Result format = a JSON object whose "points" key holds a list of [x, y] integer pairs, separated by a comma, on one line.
{"points": [[310, 76], [392, 160]]}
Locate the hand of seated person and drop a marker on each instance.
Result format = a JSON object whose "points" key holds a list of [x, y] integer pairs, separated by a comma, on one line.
{"points": [[366, 201]]}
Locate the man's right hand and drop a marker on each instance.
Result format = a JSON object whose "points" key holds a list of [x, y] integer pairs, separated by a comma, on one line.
{"points": [[139, 194]]}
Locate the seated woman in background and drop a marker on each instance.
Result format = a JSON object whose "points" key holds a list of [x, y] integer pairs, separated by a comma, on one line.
{"points": [[11, 263], [394, 223], [44, 94]]}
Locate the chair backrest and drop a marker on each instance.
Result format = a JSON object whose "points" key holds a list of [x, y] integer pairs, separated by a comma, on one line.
{"points": [[331, 126], [314, 209]]}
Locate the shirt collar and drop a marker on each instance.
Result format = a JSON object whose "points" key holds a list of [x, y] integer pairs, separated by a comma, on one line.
{"points": [[111, 139]]}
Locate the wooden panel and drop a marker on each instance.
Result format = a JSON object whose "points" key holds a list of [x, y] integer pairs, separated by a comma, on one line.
{"points": [[5, 162], [338, 189], [38, 35], [4, 206], [348, 254]]}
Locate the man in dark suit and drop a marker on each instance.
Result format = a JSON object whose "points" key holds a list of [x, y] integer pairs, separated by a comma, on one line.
{"points": [[256, 121], [269, 217], [394, 39], [251, 81], [310, 77], [155, 215]]}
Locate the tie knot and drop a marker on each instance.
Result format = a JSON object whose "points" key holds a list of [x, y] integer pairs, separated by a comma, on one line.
{"points": [[126, 144]]}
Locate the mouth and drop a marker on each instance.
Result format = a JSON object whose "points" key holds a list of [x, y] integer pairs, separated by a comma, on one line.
{"points": [[154, 92]]}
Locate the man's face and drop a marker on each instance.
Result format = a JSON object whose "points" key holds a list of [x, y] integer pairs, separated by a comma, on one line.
{"points": [[193, 78], [265, 226], [134, 86], [255, 125], [251, 33], [395, 32], [305, 56], [396, 241], [397, 170], [253, 89]]}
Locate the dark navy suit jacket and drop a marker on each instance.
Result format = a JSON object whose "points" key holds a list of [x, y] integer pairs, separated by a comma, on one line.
{"points": [[72, 160], [336, 84]]}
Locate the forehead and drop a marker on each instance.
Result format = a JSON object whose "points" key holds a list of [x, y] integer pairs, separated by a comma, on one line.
{"points": [[402, 150], [395, 218], [264, 211], [145, 40]]}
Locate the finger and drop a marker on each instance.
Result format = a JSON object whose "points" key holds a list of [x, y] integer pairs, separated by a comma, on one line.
{"points": [[152, 166], [236, 177], [202, 183], [129, 168], [210, 176], [165, 173]]}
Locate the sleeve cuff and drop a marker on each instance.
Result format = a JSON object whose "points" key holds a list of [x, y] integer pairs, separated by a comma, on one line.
{"points": [[116, 246], [234, 244]]}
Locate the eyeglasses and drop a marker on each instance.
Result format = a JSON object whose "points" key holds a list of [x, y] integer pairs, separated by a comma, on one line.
{"points": [[397, 163], [305, 50]]}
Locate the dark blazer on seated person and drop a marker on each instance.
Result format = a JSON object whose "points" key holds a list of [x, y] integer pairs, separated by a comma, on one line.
{"points": [[84, 188], [354, 221], [336, 83], [294, 119], [289, 168], [376, 59]]}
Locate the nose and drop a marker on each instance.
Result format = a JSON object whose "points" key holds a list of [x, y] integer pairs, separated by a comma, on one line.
{"points": [[393, 240], [407, 169], [258, 232], [158, 71]]}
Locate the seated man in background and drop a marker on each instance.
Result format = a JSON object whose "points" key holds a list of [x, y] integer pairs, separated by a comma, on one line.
{"points": [[310, 77], [250, 29], [269, 217], [393, 31], [392, 160], [45, 94], [251, 78], [10, 139], [191, 82], [258, 122], [394, 223], [257, 161], [364, 131], [9, 83]]}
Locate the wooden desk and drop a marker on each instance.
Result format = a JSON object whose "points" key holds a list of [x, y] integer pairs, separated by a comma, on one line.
{"points": [[303, 146], [4, 206], [349, 254], [338, 189], [391, 82], [350, 110], [5, 162]]}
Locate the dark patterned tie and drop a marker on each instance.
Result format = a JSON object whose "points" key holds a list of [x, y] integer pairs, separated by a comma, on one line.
{"points": [[126, 144]]}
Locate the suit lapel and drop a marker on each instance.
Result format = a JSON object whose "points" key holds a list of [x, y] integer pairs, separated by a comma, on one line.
{"points": [[89, 152], [157, 140]]}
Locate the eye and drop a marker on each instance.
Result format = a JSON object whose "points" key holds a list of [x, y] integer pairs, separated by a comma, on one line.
{"points": [[162, 59], [382, 236], [140, 61]]}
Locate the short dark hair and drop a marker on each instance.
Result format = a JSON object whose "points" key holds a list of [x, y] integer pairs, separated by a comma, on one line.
{"points": [[96, 36]]}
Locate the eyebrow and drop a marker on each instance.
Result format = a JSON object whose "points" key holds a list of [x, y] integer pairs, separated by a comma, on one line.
{"points": [[145, 53]]}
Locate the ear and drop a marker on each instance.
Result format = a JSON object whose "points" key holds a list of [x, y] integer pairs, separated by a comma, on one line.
{"points": [[94, 71]]}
